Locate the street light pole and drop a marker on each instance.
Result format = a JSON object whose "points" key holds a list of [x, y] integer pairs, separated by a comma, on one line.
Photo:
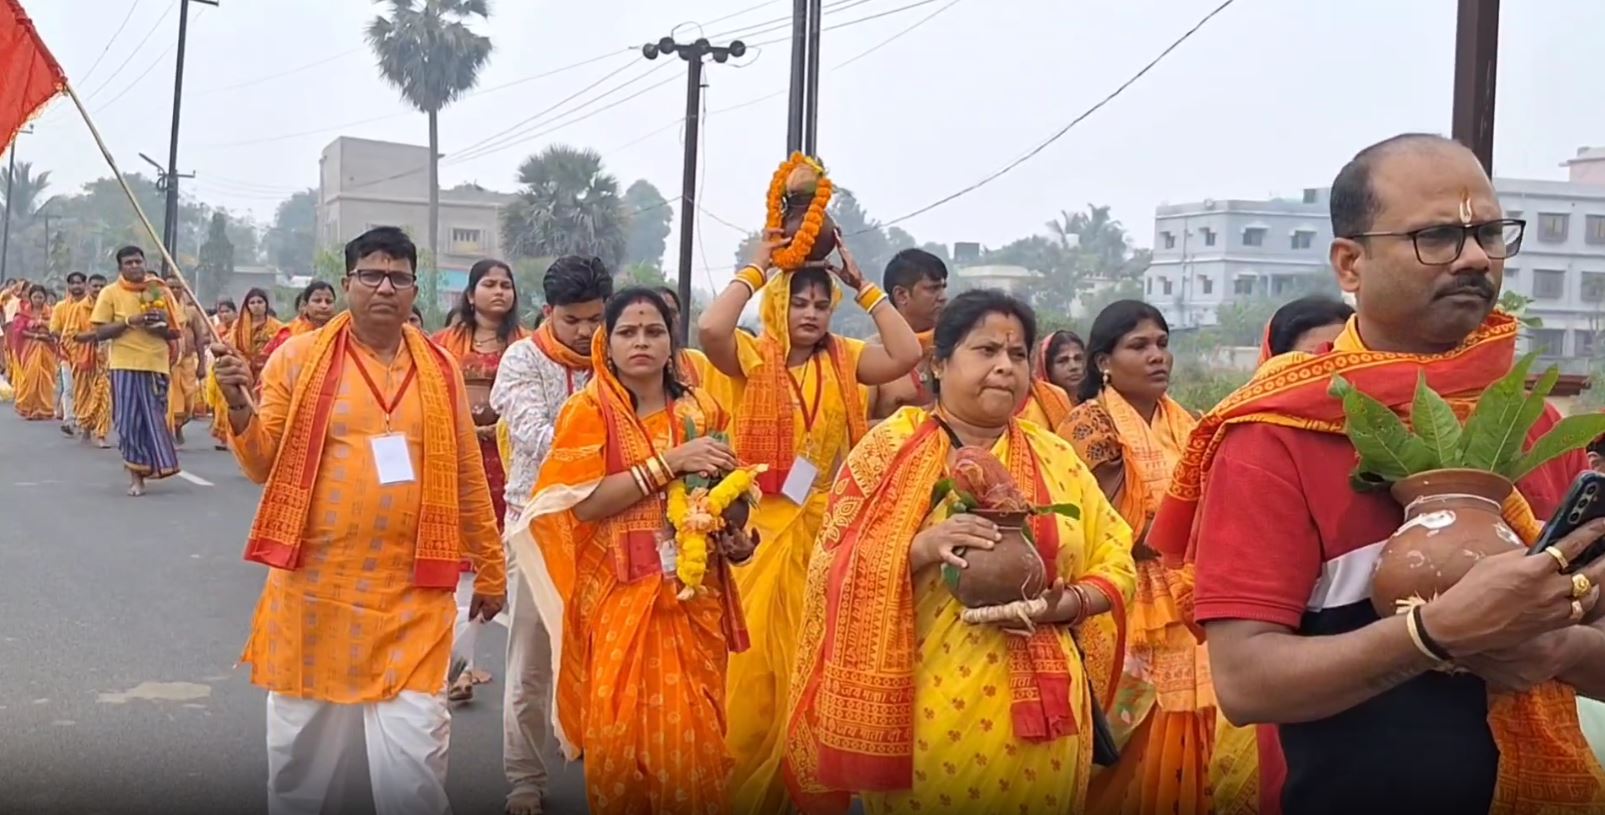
{"points": [[693, 54], [170, 218], [11, 177]]}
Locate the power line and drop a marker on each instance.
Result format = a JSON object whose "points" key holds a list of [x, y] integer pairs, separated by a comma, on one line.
{"points": [[1066, 129], [119, 69], [778, 23], [115, 34], [746, 10], [142, 74], [889, 40], [500, 135], [555, 128], [298, 69], [856, 21]]}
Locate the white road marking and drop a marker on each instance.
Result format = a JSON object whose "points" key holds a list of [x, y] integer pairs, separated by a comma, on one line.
{"points": [[195, 479]]}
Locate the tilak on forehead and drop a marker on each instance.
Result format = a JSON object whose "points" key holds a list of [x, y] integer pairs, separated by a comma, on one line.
{"points": [[1467, 212]]}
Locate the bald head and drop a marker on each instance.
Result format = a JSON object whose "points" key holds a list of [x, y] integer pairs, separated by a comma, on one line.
{"points": [[1355, 200]]}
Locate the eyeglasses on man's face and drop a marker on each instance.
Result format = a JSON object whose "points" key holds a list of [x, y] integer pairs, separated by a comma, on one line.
{"points": [[373, 278], [1442, 244]]}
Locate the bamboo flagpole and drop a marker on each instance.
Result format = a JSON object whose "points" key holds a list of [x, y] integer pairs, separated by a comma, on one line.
{"points": [[150, 228]]}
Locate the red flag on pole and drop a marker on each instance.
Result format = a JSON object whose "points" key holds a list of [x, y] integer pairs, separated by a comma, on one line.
{"points": [[32, 76]]}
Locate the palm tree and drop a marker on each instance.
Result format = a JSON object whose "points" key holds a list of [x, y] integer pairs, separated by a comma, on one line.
{"points": [[569, 206], [25, 189], [427, 51]]}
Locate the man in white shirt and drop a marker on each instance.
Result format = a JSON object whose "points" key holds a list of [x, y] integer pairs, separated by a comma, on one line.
{"points": [[537, 375]]}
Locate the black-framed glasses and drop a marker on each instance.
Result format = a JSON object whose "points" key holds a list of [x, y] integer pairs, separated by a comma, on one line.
{"points": [[1441, 244], [372, 278]]}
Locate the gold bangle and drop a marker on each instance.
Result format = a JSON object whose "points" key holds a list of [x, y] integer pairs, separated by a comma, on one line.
{"points": [[663, 463], [640, 480], [654, 473], [752, 276], [869, 295]]}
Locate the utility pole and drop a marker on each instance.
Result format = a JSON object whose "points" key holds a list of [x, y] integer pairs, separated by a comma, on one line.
{"points": [[811, 110], [1476, 68], [11, 177], [802, 124], [693, 54], [170, 220], [165, 183]]}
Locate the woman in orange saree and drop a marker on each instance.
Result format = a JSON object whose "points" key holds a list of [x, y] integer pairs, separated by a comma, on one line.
{"points": [[314, 307], [1131, 433], [254, 330], [485, 323], [640, 671], [1062, 360], [34, 363], [898, 699]]}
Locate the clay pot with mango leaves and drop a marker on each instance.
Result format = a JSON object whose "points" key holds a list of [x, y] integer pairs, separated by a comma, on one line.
{"points": [[1451, 478]]}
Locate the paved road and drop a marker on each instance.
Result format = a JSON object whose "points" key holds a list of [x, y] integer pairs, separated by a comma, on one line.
{"points": [[120, 623]]}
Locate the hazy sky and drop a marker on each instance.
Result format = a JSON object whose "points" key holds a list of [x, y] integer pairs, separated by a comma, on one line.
{"points": [[1270, 97]]}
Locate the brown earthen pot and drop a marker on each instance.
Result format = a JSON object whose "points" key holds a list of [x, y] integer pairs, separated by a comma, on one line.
{"points": [[797, 207], [1451, 521], [1012, 570]]}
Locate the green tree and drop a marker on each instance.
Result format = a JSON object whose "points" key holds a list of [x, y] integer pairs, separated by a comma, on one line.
{"points": [[428, 52], [649, 215], [26, 191], [217, 259], [569, 206], [292, 239]]}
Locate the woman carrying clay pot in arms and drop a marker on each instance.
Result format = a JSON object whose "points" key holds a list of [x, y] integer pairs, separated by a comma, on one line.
{"points": [[881, 615], [803, 407]]}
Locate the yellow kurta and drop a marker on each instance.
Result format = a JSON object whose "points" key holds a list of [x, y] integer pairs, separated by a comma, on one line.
{"points": [[771, 588], [350, 626]]}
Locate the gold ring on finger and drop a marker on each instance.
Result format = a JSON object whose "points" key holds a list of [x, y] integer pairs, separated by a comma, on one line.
{"points": [[1577, 611], [1581, 586], [1559, 556]]}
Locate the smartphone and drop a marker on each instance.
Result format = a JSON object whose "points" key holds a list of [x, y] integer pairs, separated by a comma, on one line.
{"points": [[1585, 501]]}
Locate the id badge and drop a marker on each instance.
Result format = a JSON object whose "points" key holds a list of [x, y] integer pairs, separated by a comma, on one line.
{"points": [[392, 459], [800, 481]]}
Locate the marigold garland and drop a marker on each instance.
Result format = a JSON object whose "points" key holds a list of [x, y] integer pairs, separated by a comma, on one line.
{"points": [[696, 514], [795, 254]]}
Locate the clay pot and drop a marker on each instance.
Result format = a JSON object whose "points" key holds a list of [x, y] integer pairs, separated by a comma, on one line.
{"points": [[1012, 570], [1451, 521], [737, 514], [797, 207]]}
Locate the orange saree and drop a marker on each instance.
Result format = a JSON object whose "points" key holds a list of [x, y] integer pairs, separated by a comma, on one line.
{"points": [[640, 673], [34, 364], [1545, 764]]}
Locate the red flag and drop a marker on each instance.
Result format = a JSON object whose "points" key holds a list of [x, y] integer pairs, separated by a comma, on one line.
{"points": [[32, 75]]}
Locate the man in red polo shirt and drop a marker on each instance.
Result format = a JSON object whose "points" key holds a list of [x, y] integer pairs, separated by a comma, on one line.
{"points": [[1284, 548]]}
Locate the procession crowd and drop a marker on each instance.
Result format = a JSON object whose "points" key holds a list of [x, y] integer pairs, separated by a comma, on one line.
{"points": [[732, 573]]}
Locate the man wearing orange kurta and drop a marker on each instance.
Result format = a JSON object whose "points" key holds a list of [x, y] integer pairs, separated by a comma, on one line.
{"points": [[75, 303], [367, 513]]}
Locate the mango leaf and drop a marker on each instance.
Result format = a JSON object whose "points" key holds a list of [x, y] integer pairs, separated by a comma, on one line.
{"points": [[941, 491], [1570, 433], [1066, 510], [1388, 450], [690, 429], [1435, 422], [1531, 409], [1490, 435]]}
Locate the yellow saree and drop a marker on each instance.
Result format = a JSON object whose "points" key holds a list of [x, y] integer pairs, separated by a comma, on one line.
{"points": [[894, 697]]}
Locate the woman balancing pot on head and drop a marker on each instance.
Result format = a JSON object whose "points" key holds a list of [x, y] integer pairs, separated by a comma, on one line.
{"points": [[802, 408], [1131, 433], [641, 618], [982, 717], [484, 324]]}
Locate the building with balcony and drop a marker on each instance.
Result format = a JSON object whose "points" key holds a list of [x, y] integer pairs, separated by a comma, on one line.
{"points": [[365, 183], [1213, 252], [1562, 262]]}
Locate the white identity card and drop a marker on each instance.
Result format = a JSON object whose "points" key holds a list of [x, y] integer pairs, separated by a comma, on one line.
{"points": [[799, 481], [392, 459]]}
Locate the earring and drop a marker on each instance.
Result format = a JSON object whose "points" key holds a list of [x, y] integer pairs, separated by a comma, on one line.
{"points": [[1106, 379]]}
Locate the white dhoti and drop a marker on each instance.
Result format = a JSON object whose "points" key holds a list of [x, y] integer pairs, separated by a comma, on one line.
{"points": [[64, 395], [311, 746], [465, 634], [527, 694]]}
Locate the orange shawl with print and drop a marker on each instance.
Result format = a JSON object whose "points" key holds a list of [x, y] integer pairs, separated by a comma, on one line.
{"points": [[287, 499], [1545, 766], [763, 432], [252, 339], [631, 534], [564, 355], [1055, 403], [851, 722], [297, 327]]}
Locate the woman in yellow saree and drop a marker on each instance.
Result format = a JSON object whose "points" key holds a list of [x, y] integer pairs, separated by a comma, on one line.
{"points": [[802, 407], [640, 671], [1131, 433], [34, 363], [255, 330], [896, 699]]}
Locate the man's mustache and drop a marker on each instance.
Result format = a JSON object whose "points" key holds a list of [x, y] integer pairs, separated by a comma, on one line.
{"points": [[1479, 286]]}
